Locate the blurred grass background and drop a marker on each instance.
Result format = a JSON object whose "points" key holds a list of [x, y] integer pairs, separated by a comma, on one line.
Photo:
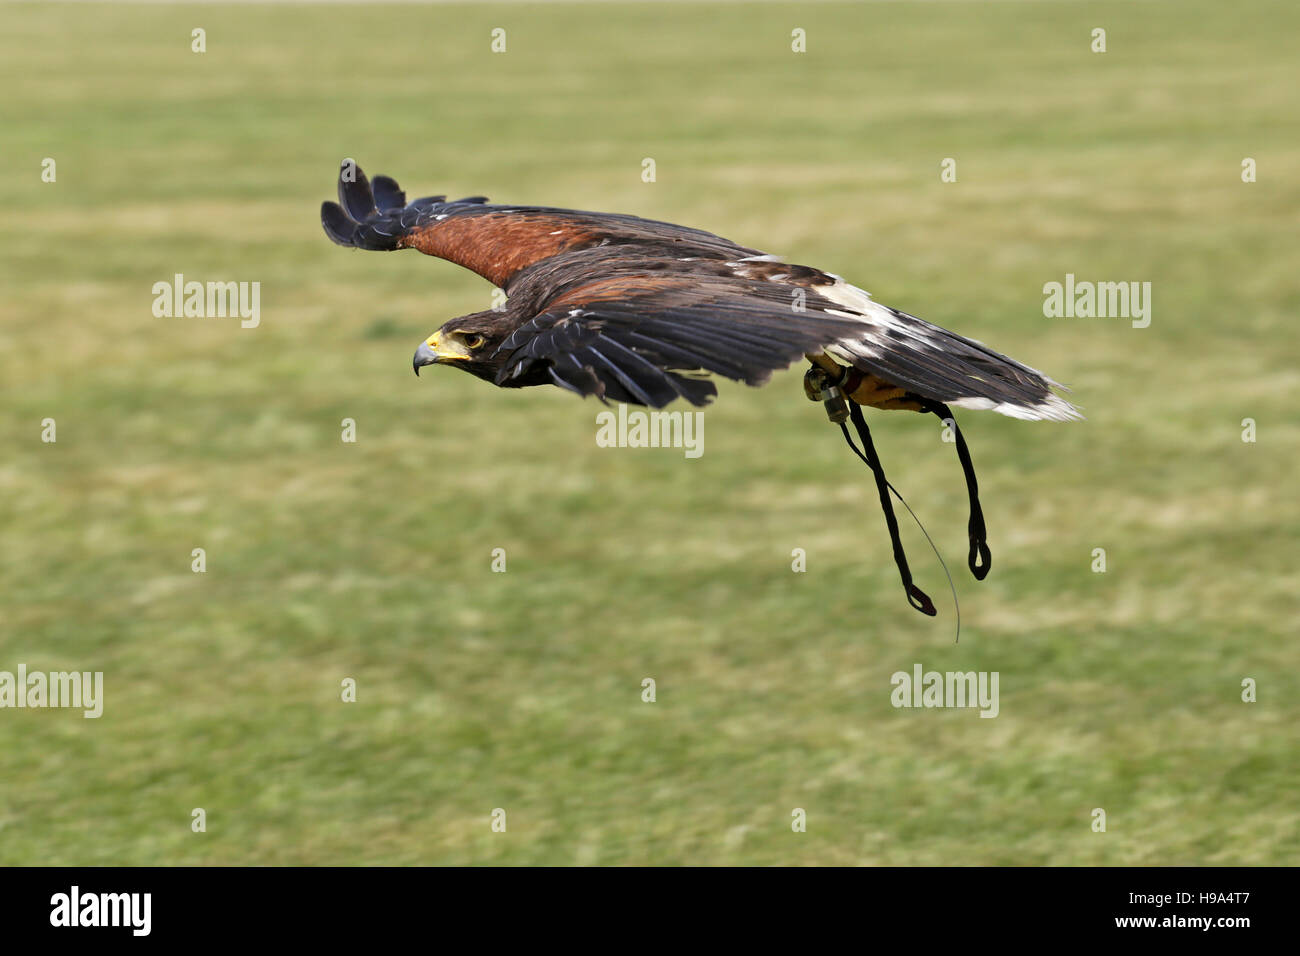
{"points": [[522, 690]]}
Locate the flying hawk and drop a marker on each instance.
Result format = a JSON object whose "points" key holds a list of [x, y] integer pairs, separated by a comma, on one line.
{"points": [[638, 311]]}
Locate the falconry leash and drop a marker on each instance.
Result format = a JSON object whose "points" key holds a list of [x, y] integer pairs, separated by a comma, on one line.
{"points": [[834, 394]]}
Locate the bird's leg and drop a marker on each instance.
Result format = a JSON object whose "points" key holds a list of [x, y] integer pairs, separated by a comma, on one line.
{"points": [[877, 393], [863, 387], [897, 400]]}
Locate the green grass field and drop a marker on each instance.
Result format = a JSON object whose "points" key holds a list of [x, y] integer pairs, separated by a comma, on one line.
{"points": [[370, 560]]}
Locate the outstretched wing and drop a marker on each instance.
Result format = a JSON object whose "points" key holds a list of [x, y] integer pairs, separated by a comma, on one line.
{"points": [[648, 337], [639, 311], [648, 329], [496, 241]]}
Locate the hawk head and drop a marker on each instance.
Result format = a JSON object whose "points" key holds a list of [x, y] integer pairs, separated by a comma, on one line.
{"points": [[469, 343]]}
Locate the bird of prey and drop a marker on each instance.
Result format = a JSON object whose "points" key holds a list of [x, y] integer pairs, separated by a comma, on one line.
{"points": [[638, 311]]}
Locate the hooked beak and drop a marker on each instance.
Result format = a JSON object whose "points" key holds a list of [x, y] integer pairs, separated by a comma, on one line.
{"points": [[423, 356]]}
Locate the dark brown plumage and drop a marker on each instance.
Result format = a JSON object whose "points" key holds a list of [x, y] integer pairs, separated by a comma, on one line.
{"points": [[638, 311]]}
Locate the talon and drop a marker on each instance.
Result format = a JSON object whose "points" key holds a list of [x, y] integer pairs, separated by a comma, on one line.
{"points": [[875, 392], [864, 388]]}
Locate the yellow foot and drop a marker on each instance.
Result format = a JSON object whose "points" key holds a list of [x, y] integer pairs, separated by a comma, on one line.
{"points": [[876, 392], [863, 387]]}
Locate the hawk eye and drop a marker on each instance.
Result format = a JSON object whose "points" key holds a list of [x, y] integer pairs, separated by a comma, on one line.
{"points": [[473, 341]]}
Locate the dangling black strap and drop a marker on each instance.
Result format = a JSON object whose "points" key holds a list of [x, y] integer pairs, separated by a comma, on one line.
{"points": [[980, 558], [915, 596]]}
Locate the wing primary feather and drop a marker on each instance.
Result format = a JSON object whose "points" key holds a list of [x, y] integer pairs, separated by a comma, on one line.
{"points": [[388, 195], [355, 196], [338, 226]]}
